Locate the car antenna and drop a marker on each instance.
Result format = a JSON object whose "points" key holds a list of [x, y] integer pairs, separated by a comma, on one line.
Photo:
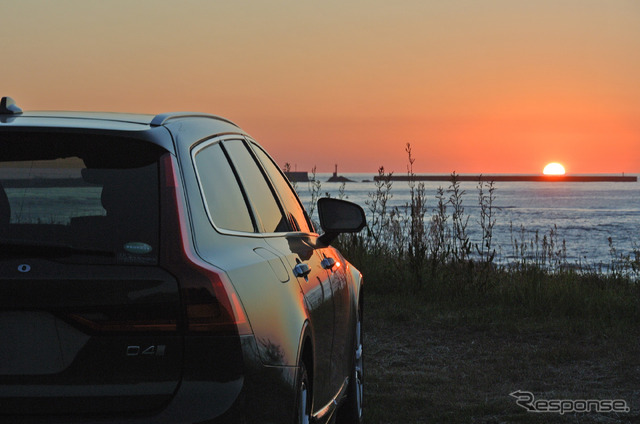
{"points": [[8, 106]]}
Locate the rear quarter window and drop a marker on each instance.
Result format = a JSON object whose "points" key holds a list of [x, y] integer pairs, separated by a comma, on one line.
{"points": [[222, 195]]}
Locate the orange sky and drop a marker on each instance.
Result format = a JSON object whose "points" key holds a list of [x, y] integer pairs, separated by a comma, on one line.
{"points": [[492, 86]]}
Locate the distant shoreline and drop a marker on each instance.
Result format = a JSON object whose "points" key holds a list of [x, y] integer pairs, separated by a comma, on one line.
{"points": [[519, 178]]}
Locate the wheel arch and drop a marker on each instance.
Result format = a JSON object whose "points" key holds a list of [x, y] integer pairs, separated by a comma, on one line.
{"points": [[306, 351]]}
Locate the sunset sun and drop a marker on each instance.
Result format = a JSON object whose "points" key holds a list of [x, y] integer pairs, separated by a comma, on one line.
{"points": [[553, 169]]}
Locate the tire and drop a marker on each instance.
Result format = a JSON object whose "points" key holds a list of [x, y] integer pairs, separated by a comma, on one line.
{"points": [[303, 400], [351, 411]]}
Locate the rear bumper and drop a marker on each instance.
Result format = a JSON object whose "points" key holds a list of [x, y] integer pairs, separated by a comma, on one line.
{"points": [[223, 381], [254, 393]]}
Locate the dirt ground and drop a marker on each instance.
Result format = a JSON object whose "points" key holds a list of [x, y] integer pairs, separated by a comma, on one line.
{"points": [[427, 366]]}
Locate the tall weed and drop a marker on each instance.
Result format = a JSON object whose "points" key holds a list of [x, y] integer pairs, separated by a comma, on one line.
{"points": [[428, 252], [315, 186], [417, 209]]}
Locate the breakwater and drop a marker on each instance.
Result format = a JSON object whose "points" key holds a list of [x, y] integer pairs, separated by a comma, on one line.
{"points": [[520, 178]]}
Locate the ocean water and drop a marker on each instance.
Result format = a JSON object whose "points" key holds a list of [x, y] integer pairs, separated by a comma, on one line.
{"points": [[583, 215]]}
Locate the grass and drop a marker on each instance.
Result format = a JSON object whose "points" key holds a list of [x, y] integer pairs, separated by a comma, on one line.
{"points": [[430, 362]]}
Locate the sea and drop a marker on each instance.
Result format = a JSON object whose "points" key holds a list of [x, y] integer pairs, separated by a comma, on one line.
{"points": [[598, 223]]}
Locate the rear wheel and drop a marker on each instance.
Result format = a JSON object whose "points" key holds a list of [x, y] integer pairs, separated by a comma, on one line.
{"points": [[351, 411], [303, 403]]}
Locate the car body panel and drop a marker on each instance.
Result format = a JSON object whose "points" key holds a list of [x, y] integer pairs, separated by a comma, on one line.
{"points": [[318, 302], [248, 259]]}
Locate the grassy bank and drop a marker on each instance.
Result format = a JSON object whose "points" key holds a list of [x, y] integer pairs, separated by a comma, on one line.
{"points": [[505, 292], [454, 348]]}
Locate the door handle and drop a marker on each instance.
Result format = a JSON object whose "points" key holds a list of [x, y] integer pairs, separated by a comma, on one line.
{"points": [[328, 263], [302, 270]]}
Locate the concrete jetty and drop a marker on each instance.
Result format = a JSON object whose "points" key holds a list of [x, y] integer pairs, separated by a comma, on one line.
{"points": [[520, 178]]}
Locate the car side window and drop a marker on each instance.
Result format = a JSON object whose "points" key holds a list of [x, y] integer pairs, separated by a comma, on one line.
{"points": [[289, 198], [223, 196], [261, 197]]}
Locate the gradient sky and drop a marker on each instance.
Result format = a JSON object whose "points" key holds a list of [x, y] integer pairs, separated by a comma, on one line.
{"points": [[492, 86]]}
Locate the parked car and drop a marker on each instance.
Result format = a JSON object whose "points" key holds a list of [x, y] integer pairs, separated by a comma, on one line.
{"points": [[161, 269]]}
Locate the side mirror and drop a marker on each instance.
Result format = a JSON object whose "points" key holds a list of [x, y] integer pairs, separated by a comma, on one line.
{"points": [[339, 216]]}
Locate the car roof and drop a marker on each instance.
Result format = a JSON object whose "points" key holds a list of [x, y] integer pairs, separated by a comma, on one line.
{"points": [[132, 124], [101, 120], [88, 120]]}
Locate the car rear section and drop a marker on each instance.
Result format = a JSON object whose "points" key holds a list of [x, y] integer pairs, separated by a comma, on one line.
{"points": [[89, 319], [106, 312]]}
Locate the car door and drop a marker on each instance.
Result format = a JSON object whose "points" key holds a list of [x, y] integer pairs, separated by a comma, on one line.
{"points": [[304, 247], [297, 250], [334, 263]]}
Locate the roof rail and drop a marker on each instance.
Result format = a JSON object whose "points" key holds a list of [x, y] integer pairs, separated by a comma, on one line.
{"points": [[8, 106], [162, 118]]}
